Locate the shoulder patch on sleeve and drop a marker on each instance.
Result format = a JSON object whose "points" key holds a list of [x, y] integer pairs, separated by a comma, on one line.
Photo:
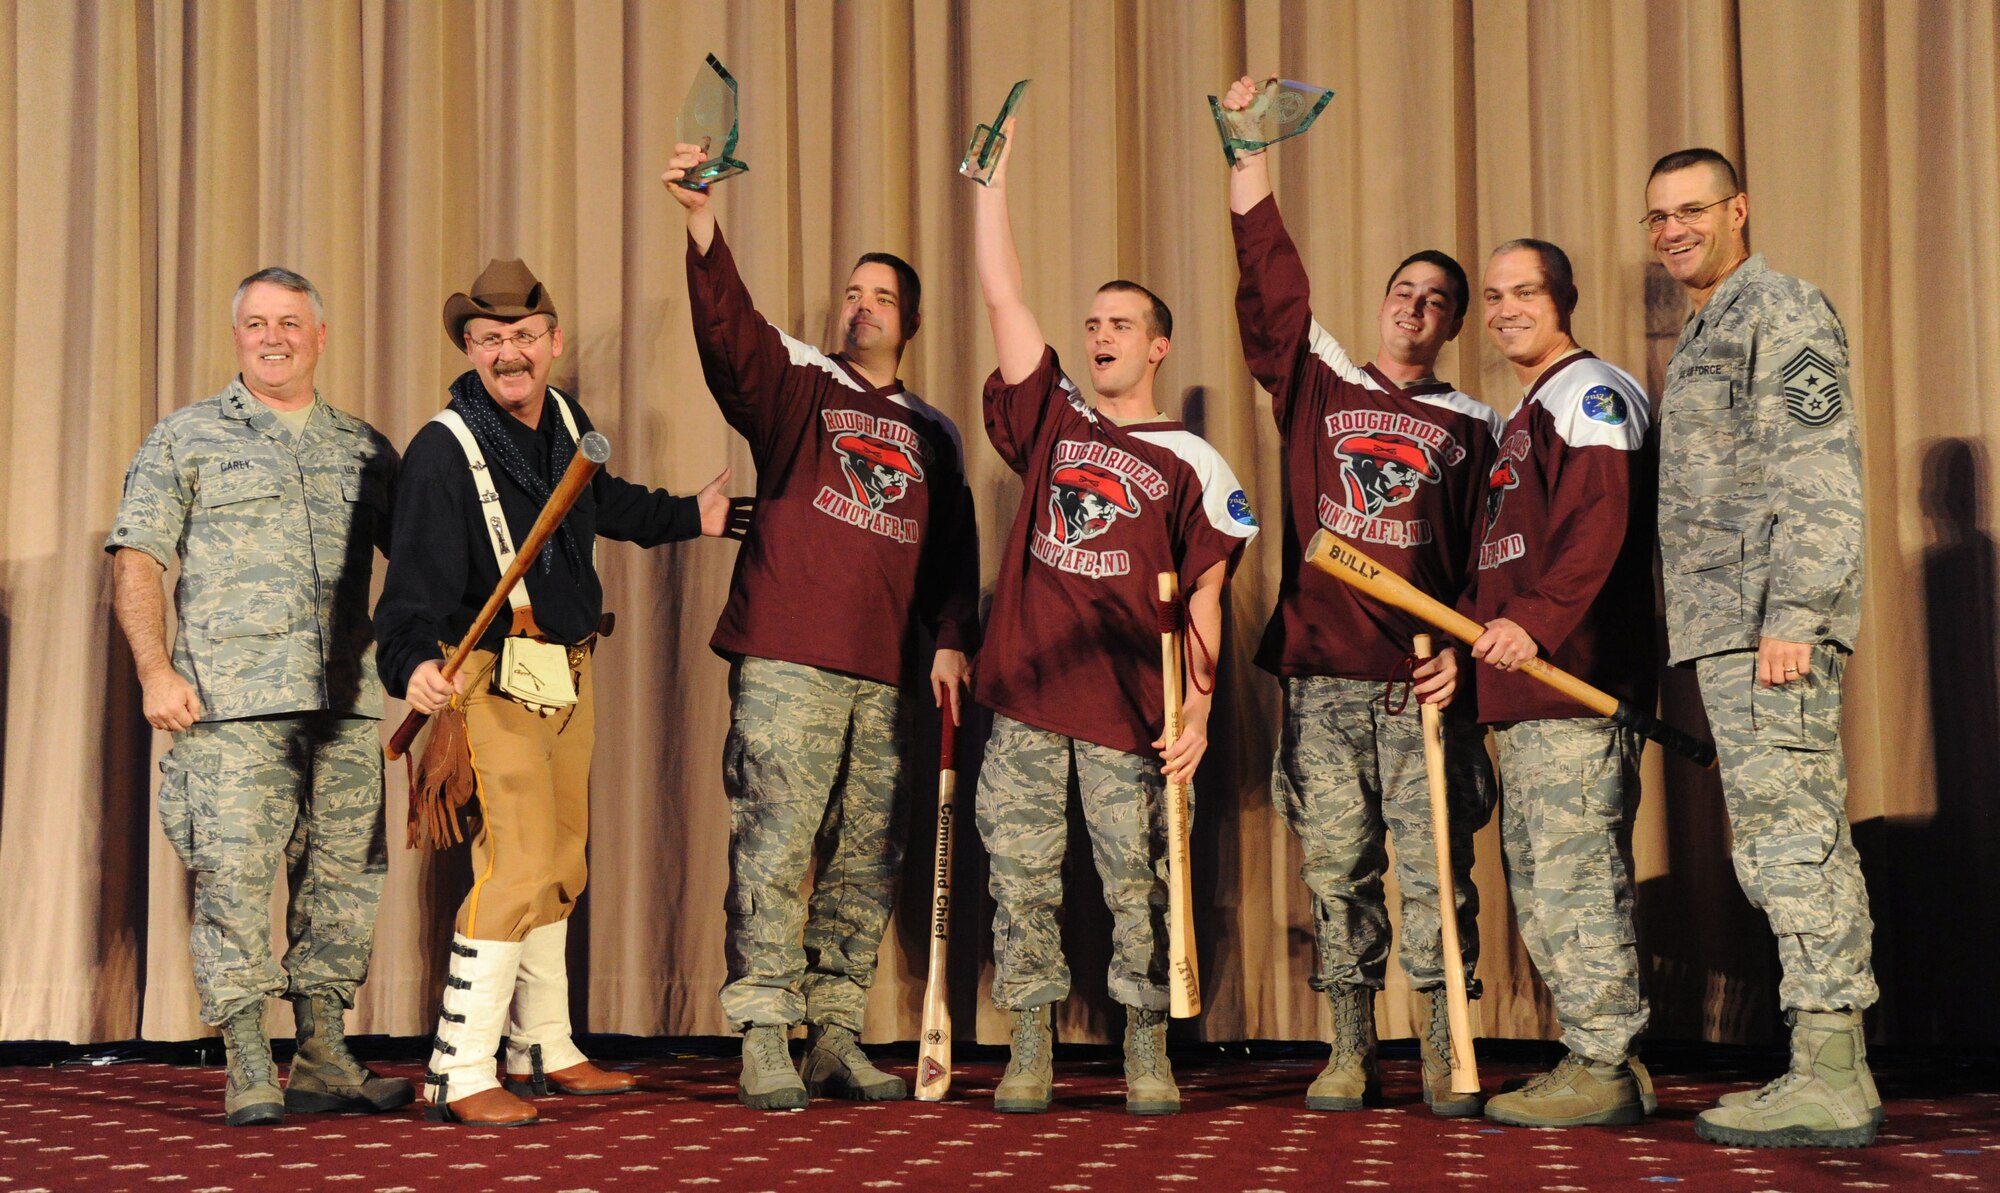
{"points": [[1604, 404], [1239, 508], [1812, 388]]}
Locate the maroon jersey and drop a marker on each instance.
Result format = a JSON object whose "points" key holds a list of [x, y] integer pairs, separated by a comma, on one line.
{"points": [[1398, 471], [863, 528], [1568, 549], [1074, 638]]}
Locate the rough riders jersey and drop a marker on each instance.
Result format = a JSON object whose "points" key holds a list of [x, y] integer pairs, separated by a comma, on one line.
{"points": [[1073, 638], [1399, 471], [1568, 549], [864, 525]]}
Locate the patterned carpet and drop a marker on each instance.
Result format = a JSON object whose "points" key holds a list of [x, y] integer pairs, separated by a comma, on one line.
{"points": [[158, 1126]]}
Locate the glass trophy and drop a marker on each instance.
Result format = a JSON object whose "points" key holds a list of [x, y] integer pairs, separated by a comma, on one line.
{"points": [[708, 119], [1282, 109], [983, 155]]}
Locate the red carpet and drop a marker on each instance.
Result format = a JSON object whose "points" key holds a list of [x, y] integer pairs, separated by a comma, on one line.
{"points": [[155, 1126]]}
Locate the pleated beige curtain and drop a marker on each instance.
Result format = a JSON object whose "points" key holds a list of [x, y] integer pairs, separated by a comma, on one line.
{"points": [[160, 151]]}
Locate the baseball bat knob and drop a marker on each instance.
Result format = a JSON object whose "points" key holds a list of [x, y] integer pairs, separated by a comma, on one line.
{"points": [[595, 448]]}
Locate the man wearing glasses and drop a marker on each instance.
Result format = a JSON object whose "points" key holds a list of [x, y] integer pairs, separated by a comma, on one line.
{"points": [[478, 475], [1760, 542]]}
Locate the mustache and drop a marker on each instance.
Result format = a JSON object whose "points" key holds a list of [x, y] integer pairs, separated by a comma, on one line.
{"points": [[510, 368]]}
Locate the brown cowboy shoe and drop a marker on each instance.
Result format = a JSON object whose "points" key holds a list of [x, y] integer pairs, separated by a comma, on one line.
{"points": [[1644, 1076], [1578, 1092], [1434, 1048], [1350, 1079], [488, 1108], [325, 1075], [580, 1080]]}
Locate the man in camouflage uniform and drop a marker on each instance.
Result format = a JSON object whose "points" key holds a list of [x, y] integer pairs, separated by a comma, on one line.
{"points": [[274, 502], [1760, 542]]}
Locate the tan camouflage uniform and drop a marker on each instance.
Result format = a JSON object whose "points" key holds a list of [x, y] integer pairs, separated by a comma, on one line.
{"points": [[276, 540], [1761, 536], [1023, 796], [791, 728], [1569, 869], [1348, 770]]}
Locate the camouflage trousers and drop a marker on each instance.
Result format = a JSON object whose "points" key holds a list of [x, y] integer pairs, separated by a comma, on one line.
{"points": [[1347, 775], [238, 797], [1567, 841], [1022, 815], [1785, 784], [812, 765]]}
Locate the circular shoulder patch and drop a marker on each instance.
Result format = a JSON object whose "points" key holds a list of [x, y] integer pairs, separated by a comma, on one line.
{"points": [[1239, 508], [1601, 403]]}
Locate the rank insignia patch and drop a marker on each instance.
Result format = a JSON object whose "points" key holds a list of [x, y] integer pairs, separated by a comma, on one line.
{"points": [[1812, 388]]}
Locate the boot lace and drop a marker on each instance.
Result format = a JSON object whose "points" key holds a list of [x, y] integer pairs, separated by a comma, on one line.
{"points": [[249, 1051], [1558, 1076], [770, 1048], [1144, 1052], [1350, 1034], [1438, 1032], [1031, 1041], [330, 1026]]}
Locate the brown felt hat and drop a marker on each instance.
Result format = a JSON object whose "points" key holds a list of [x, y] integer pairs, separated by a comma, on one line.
{"points": [[507, 290]]}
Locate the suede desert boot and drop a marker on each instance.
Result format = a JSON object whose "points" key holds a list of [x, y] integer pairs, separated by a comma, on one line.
{"points": [[325, 1075], [1434, 1047], [836, 1067], [1827, 1099], [1350, 1080], [1578, 1092], [768, 1081], [1149, 1078], [251, 1099], [1029, 1082]]}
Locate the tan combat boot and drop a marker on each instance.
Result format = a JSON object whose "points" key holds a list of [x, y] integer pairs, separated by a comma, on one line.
{"points": [[836, 1067], [1827, 1099], [768, 1081], [1029, 1082], [1434, 1046], [1350, 1079], [251, 1099], [1149, 1078], [1578, 1092], [1644, 1076], [325, 1075]]}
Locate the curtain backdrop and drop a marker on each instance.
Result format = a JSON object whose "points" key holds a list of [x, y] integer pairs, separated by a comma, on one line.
{"points": [[159, 151]]}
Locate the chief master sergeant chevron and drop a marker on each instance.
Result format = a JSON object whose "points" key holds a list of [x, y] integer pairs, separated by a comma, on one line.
{"points": [[1760, 543]]}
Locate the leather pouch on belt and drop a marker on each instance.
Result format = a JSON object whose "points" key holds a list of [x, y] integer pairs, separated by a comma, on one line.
{"points": [[536, 674]]}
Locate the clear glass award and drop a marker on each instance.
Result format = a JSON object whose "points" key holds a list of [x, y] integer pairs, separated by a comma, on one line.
{"points": [[708, 119], [984, 153], [1282, 109]]}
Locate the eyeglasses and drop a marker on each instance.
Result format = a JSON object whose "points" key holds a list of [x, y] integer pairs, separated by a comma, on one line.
{"points": [[523, 340], [1653, 221]]}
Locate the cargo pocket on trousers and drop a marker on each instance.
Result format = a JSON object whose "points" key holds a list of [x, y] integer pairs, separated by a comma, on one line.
{"points": [[1803, 714], [1787, 860], [185, 775]]}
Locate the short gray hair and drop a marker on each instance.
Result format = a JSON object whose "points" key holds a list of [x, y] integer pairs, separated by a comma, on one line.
{"points": [[285, 279]]}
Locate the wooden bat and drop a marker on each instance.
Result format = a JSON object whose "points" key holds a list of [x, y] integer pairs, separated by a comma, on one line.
{"points": [[1183, 970], [591, 454], [1458, 1009], [1335, 555], [934, 1050]]}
